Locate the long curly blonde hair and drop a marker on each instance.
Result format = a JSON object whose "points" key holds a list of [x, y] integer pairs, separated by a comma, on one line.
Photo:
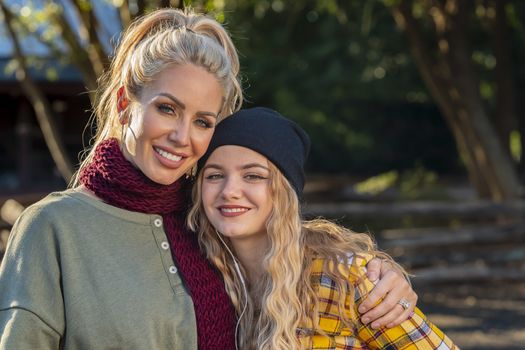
{"points": [[284, 298], [161, 39]]}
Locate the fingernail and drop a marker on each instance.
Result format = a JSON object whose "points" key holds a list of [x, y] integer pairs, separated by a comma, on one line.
{"points": [[365, 320], [375, 325], [362, 309]]}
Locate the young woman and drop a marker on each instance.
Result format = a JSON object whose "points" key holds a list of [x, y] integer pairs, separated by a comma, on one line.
{"points": [[294, 284], [110, 263]]}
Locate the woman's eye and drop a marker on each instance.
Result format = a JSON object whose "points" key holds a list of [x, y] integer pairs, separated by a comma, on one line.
{"points": [[165, 108], [254, 177], [213, 176], [204, 123]]}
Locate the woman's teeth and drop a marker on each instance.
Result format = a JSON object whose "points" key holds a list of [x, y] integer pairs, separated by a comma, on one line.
{"points": [[168, 155], [233, 210]]}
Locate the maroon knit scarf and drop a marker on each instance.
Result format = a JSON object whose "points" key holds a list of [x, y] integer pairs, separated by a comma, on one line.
{"points": [[117, 182]]}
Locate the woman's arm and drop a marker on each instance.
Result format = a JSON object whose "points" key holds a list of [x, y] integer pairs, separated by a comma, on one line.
{"points": [[31, 304], [416, 330], [22, 329], [381, 308]]}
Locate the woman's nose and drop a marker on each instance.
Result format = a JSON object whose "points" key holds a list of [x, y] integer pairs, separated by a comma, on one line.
{"points": [[231, 188], [180, 133]]}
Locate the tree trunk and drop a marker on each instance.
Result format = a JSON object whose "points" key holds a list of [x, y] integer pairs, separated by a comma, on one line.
{"points": [[505, 117], [88, 26], [78, 55], [124, 14], [43, 110], [453, 83]]}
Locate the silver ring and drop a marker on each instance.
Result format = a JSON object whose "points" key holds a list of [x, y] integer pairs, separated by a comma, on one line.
{"points": [[405, 304]]}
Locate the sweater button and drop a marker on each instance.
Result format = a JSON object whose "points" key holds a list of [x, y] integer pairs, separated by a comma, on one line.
{"points": [[173, 269], [157, 222], [165, 245]]}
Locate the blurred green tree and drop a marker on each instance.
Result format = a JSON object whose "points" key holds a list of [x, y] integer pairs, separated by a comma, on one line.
{"points": [[344, 70], [329, 62], [439, 34]]}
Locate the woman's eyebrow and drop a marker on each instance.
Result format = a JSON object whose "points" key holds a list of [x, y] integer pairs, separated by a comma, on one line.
{"points": [[245, 166], [183, 106], [212, 165], [174, 99], [254, 165]]}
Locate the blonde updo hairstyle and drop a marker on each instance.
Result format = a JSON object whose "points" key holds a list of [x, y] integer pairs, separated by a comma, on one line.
{"points": [[159, 40]]}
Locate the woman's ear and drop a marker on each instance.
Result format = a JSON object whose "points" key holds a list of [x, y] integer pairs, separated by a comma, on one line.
{"points": [[122, 104]]}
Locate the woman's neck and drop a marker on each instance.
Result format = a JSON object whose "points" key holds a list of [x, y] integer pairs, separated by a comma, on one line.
{"points": [[251, 252], [83, 189]]}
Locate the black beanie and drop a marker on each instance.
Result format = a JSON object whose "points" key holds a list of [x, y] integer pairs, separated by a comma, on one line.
{"points": [[266, 132]]}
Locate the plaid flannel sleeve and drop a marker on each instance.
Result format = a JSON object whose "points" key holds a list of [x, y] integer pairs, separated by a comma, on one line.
{"points": [[415, 333]]}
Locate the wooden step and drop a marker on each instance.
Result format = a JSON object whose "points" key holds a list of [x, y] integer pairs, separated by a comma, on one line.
{"points": [[443, 237], [470, 209], [467, 274]]}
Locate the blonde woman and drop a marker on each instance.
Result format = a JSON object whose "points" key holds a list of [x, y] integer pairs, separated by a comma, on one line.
{"points": [[295, 284], [109, 263]]}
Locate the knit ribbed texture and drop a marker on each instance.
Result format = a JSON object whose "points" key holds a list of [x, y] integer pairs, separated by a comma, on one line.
{"points": [[265, 131], [117, 182]]}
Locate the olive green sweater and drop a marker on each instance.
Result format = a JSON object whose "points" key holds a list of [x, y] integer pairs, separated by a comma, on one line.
{"points": [[81, 274]]}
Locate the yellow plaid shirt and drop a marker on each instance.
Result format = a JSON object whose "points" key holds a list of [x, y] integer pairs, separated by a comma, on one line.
{"points": [[415, 333]]}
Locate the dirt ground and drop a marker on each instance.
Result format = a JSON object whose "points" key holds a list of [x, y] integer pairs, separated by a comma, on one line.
{"points": [[478, 316]]}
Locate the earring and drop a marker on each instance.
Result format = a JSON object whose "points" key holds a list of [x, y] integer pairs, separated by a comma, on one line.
{"points": [[190, 174]]}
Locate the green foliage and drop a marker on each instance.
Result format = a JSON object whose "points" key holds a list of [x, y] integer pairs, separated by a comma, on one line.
{"points": [[377, 184], [342, 70], [418, 183], [515, 145], [415, 183]]}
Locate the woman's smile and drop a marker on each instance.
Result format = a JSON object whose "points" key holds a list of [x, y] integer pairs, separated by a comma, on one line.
{"points": [[170, 126], [232, 210], [169, 159], [236, 192]]}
